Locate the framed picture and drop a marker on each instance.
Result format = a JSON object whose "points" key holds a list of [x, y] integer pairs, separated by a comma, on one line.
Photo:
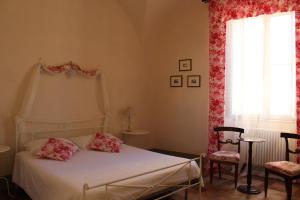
{"points": [[185, 65], [176, 81], [193, 80]]}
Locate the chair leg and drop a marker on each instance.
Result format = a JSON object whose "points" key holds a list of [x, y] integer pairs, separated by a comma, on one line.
{"points": [[219, 168], [288, 185], [211, 171], [266, 181], [236, 172]]}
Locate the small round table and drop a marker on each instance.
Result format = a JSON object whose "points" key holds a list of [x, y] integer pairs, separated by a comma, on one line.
{"points": [[133, 133], [3, 149], [249, 189], [136, 132]]}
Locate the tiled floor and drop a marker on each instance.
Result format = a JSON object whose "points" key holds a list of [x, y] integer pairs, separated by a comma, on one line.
{"points": [[221, 189]]}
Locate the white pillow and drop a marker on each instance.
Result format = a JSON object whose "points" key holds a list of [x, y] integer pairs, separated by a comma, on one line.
{"points": [[35, 146], [83, 141]]}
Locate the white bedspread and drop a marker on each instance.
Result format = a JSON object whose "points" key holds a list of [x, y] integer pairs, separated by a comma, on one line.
{"points": [[56, 180]]}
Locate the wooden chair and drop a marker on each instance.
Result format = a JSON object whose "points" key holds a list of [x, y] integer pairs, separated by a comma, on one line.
{"points": [[286, 169], [226, 157]]}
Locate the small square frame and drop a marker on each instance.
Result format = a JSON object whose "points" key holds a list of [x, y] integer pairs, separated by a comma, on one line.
{"points": [[185, 65], [176, 81], [193, 81]]}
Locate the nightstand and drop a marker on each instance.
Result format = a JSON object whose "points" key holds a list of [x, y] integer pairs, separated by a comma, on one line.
{"points": [[176, 153], [3, 149], [131, 137]]}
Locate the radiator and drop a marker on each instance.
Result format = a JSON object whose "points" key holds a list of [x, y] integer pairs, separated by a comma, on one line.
{"points": [[271, 150]]}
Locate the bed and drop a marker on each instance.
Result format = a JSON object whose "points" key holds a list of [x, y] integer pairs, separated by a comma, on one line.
{"points": [[89, 175], [47, 179]]}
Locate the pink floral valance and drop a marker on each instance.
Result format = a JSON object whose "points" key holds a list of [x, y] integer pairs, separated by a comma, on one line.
{"points": [[70, 68]]}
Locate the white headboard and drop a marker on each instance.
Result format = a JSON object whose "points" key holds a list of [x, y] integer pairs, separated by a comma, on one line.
{"points": [[29, 127]]}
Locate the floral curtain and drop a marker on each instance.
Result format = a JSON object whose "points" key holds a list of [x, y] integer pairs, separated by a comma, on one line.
{"points": [[221, 11]]}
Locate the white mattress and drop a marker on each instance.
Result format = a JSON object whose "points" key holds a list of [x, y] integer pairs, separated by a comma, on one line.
{"points": [[56, 180]]}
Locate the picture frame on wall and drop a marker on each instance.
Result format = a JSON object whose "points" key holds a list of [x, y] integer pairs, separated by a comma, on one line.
{"points": [[176, 81], [193, 81], [185, 65]]}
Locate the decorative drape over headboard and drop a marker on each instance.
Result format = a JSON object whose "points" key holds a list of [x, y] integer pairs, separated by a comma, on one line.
{"points": [[221, 11], [69, 69]]}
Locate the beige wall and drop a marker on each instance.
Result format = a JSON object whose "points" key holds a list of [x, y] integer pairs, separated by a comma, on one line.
{"points": [[137, 56], [90, 33], [179, 115]]}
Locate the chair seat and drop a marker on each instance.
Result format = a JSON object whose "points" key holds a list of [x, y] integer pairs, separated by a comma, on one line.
{"points": [[284, 167], [227, 156]]}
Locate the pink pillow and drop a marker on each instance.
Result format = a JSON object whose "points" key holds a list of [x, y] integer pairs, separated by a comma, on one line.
{"points": [[106, 142], [58, 149]]}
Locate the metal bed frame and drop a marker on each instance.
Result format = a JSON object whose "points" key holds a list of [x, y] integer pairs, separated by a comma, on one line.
{"points": [[29, 128], [147, 189]]}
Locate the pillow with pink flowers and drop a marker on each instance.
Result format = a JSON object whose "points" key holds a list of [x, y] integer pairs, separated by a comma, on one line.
{"points": [[58, 149], [106, 142]]}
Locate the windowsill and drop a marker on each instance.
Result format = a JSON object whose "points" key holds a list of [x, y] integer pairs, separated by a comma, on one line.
{"points": [[287, 125]]}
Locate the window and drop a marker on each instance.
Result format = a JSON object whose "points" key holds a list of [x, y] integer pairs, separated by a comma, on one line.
{"points": [[260, 69]]}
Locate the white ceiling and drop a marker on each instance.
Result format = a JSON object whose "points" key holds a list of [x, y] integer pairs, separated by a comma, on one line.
{"points": [[135, 9], [146, 14]]}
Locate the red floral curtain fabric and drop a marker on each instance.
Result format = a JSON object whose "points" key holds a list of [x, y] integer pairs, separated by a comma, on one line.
{"points": [[221, 11]]}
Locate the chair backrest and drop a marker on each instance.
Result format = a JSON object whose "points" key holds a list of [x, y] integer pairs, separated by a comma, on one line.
{"points": [[225, 129], [287, 136]]}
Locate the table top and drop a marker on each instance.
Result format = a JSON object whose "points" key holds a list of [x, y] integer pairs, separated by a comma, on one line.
{"points": [[4, 148], [253, 139], [136, 132]]}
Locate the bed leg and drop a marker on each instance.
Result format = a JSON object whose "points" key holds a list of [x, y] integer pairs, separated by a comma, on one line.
{"points": [[8, 186], [15, 188], [186, 194]]}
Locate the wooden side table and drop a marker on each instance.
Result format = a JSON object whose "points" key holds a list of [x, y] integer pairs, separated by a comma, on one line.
{"points": [[3, 149], [127, 134]]}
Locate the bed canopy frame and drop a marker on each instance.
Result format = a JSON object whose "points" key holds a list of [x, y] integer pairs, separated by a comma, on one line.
{"points": [[31, 127]]}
